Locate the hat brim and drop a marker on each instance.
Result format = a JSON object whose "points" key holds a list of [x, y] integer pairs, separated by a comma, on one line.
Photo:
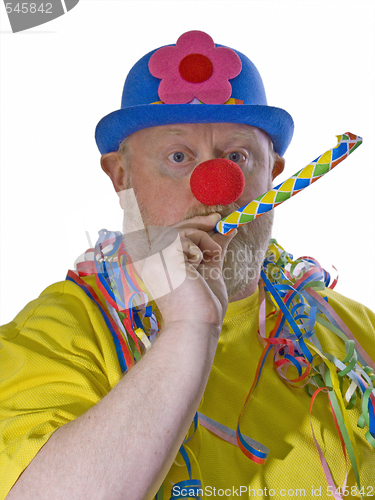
{"points": [[116, 126]]}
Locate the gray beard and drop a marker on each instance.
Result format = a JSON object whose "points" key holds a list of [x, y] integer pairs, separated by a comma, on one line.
{"points": [[246, 253], [244, 256]]}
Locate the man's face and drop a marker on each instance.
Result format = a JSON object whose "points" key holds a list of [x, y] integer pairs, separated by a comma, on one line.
{"points": [[163, 158], [161, 161]]}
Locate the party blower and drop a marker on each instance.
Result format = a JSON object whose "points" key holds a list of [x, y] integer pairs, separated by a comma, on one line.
{"points": [[347, 143]]}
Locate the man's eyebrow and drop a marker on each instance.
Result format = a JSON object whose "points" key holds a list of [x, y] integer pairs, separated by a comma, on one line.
{"points": [[245, 134], [248, 134], [174, 131]]}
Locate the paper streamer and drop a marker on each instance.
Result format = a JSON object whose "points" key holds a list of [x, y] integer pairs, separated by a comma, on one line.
{"points": [[293, 286], [347, 143]]}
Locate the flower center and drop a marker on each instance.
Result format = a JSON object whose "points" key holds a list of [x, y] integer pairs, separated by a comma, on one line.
{"points": [[195, 68]]}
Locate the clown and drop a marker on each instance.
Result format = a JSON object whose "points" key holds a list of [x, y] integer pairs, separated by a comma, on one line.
{"points": [[150, 401]]}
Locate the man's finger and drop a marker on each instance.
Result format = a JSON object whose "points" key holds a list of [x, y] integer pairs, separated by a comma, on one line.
{"points": [[203, 222]]}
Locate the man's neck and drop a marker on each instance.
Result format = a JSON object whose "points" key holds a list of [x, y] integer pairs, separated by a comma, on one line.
{"points": [[249, 290]]}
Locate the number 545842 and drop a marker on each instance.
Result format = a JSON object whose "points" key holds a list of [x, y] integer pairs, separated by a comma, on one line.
{"points": [[25, 8]]}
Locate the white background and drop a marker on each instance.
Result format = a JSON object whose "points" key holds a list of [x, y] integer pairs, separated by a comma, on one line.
{"points": [[58, 80]]}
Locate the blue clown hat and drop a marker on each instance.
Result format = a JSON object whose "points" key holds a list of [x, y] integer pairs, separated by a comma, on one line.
{"points": [[193, 81]]}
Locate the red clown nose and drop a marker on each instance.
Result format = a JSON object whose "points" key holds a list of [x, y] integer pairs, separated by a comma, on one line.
{"points": [[217, 182]]}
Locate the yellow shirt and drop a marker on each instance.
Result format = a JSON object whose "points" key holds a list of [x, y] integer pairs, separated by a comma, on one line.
{"points": [[57, 360]]}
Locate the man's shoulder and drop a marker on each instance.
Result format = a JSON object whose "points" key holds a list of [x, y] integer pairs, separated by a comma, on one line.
{"points": [[358, 319], [60, 303], [353, 310], [62, 326]]}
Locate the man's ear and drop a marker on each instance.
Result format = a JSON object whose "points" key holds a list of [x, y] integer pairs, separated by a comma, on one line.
{"points": [[114, 167], [278, 166]]}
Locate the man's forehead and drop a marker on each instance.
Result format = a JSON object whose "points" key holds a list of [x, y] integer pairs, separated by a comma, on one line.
{"points": [[229, 130]]}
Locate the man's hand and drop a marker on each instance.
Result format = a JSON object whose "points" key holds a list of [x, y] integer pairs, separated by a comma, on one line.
{"points": [[196, 253]]}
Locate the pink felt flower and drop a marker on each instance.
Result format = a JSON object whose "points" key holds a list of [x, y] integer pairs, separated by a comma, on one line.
{"points": [[194, 68]]}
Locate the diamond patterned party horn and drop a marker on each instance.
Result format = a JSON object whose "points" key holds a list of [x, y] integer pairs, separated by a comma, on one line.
{"points": [[347, 143]]}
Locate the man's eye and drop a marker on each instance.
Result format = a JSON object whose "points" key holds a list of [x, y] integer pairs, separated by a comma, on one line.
{"points": [[177, 157], [235, 157]]}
